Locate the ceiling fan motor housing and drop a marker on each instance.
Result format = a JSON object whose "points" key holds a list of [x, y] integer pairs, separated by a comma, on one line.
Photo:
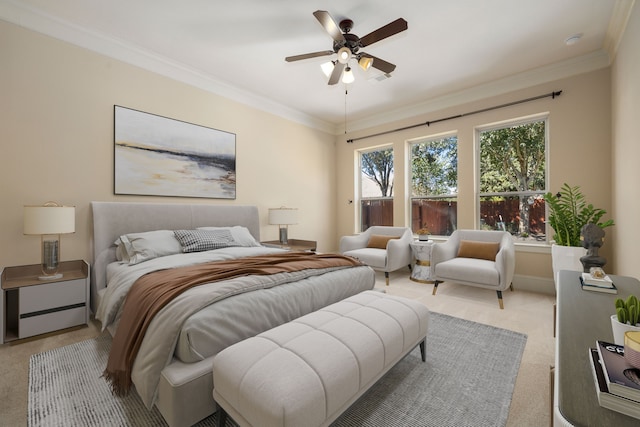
{"points": [[351, 41]]}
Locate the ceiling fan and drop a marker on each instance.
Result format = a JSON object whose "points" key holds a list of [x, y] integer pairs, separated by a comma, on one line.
{"points": [[348, 45]]}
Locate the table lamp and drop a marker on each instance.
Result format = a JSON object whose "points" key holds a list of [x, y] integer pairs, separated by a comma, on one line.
{"points": [[283, 217], [50, 221]]}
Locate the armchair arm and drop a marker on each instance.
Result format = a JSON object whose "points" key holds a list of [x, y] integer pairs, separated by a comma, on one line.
{"points": [[399, 252], [445, 251], [506, 262], [349, 243]]}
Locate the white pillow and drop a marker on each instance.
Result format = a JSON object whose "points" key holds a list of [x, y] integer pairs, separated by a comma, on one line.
{"points": [[135, 248], [241, 235]]}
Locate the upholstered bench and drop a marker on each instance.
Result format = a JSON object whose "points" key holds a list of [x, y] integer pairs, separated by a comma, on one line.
{"points": [[309, 371]]}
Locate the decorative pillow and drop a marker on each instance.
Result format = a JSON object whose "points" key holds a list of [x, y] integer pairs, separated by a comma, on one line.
{"points": [[379, 241], [134, 248], [204, 240], [241, 235], [480, 250]]}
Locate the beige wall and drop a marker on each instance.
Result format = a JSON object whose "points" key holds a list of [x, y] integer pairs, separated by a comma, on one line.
{"points": [[626, 148], [56, 133], [579, 153]]}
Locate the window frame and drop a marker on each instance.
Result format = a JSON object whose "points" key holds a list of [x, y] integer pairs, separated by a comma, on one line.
{"points": [[409, 175], [360, 198], [478, 130]]}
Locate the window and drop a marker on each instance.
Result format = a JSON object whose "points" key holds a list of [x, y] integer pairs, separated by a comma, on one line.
{"points": [[376, 188], [434, 185], [513, 178]]}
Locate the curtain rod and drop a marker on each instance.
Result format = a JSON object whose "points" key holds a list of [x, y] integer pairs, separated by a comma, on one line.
{"points": [[553, 95]]}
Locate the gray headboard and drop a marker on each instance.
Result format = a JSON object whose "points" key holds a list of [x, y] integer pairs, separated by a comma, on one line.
{"points": [[113, 219]]}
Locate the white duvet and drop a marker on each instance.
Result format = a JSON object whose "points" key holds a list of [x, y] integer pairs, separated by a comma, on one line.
{"points": [[191, 328]]}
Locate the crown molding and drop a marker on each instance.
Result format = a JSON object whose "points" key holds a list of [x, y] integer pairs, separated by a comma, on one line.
{"points": [[35, 20], [578, 65], [617, 25]]}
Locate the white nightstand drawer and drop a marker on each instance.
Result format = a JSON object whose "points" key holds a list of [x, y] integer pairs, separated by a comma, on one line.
{"points": [[48, 322], [52, 295]]}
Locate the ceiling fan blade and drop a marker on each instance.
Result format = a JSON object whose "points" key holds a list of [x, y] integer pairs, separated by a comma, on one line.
{"points": [[380, 64], [329, 25], [308, 55], [337, 73], [388, 30]]}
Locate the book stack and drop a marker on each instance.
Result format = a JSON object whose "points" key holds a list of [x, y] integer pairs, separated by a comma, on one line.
{"points": [[590, 283], [617, 382]]}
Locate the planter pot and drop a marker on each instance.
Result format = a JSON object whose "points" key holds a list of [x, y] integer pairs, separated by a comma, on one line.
{"points": [[566, 258], [619, 329], [423, 237]]}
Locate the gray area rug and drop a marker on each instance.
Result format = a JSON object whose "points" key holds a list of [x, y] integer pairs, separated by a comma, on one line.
{"points": [[468, 380]]}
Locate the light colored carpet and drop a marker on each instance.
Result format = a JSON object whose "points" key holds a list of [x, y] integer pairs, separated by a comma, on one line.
{"points": [[468, 380]]}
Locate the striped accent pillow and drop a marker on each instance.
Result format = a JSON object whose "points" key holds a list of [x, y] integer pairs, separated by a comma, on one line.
{"points": [[203, 240]]}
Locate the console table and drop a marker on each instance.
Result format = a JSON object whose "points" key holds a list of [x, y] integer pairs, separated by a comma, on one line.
{"points": [[582, 318]]}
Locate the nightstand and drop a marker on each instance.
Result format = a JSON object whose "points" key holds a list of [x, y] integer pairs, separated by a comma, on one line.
{"points": [[293, 245], [29, 306]]}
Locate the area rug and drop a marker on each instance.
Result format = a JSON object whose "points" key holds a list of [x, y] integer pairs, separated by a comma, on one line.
{"points": [[467, 380]]}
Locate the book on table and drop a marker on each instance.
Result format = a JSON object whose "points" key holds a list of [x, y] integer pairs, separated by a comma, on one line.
{"points": [[604, 282], [622, 379], [595, 288], [606, 399]]}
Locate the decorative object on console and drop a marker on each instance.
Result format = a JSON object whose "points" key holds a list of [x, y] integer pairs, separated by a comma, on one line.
{"points": [[626, 318], [159, 156], [283, 217], [50, 221], [568, 213], [632, 348], [592, 238]]}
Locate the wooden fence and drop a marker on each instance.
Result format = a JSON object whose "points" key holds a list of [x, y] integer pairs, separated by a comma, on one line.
{"points": [[440, 216]]}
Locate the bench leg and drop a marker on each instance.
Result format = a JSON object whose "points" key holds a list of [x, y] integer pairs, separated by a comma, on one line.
{"points": [[435, 287], [423, 349], [221, 420]]}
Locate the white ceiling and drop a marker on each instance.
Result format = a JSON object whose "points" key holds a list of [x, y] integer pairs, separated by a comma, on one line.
{"points": [[452, 48]]}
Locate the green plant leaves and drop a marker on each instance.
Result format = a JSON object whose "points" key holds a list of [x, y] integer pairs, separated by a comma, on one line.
{"points": [[569, 212]]}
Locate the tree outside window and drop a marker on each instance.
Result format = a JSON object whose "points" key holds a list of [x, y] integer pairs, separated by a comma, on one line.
{"points": [[512, 179], [376, 188], [434, 185]]}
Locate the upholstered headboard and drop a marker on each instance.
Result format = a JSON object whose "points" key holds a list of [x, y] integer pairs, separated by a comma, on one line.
{"points": [[113, 219]]}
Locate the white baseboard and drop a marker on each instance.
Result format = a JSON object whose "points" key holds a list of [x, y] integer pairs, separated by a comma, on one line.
{"points": [[541, 285]]}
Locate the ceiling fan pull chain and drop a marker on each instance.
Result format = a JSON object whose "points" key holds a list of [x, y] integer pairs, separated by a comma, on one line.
{"points": [[345, 109]]}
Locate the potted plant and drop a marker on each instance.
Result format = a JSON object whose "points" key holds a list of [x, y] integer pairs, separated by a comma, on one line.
{"points": [[627, 318], [568, 213], [423, 234]]}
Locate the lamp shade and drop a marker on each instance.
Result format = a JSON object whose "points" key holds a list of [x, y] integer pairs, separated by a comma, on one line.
{"points": [[283, 216], [49, 219]]}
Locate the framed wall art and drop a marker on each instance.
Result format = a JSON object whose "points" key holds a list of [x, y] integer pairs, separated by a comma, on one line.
{"points": [[159, 156]]}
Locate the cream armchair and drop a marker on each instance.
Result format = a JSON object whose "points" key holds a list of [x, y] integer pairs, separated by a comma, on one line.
{"points": [[485, 259], [382, 248]]}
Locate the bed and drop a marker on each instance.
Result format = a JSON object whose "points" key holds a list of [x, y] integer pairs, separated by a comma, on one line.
{"points": [[173, 368]]}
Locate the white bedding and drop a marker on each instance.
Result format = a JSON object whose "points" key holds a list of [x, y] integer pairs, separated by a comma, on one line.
{"points": [[193, 328]]}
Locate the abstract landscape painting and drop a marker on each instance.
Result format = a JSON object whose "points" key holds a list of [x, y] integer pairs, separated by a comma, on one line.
{"points": [[158, 156]]}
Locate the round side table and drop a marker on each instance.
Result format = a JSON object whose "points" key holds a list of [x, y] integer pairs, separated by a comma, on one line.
{"points": [[421, 271]]}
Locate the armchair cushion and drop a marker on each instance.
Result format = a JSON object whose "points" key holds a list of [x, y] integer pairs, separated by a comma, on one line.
{"points": [[379, 241], [480, 250]]}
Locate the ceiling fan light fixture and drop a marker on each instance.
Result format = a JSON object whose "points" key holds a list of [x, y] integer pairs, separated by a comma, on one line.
{"points": [[347, 76], [344, 55], [327, 68], [365, 62]]}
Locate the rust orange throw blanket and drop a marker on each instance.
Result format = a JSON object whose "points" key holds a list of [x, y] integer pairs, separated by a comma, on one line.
{"points": [[151, 292]]}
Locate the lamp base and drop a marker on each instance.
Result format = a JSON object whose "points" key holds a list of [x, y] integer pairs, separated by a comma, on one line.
{"points": [[283, 236], [50, 276]]}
